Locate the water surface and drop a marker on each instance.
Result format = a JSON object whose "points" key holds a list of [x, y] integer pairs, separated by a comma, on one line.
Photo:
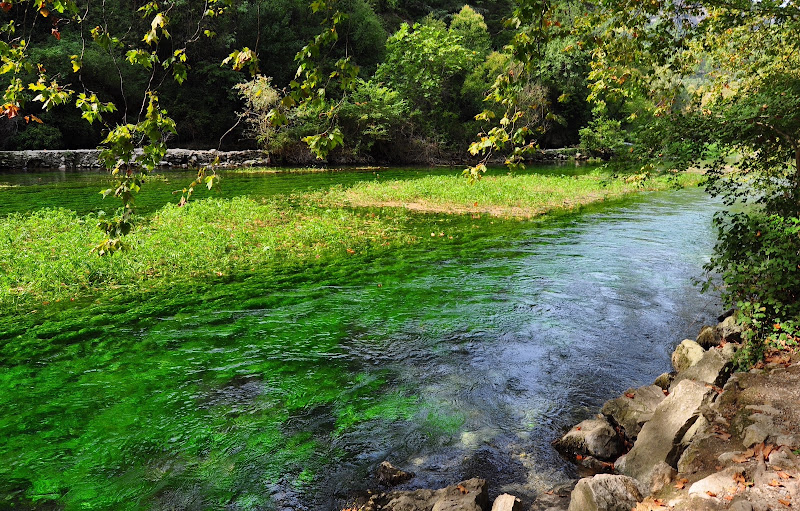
{"points": [[454, 358]]}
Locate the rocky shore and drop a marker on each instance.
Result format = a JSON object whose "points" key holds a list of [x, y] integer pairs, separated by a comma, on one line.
{"points": [[701, 438]]}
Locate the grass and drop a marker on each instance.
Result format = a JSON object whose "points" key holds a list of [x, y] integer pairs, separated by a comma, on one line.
{"points": [[523, 196], [45, 255]]}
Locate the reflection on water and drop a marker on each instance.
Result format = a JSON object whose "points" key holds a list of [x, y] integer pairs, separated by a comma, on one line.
{"points": [[452, 359]]}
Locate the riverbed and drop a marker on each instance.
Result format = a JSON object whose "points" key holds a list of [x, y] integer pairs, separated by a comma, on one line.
{"points": [[285, 390]]}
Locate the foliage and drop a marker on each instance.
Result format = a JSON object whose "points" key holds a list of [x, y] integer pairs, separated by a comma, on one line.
{"points": [[375, 119], [426, 64], [723, 88], [471, 28], [603, 138]]}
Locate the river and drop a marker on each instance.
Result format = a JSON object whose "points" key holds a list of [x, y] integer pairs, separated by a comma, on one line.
{"points": [[285, 391]]}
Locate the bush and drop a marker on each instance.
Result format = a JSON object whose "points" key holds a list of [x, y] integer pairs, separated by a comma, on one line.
{"points": [[603, 138], [758, 259]]}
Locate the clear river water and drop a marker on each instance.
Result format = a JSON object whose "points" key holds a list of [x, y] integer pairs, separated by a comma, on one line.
{"points": [[455, 359]]}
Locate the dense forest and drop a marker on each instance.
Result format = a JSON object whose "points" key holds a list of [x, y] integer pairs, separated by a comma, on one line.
{"points": [[424, 70]]}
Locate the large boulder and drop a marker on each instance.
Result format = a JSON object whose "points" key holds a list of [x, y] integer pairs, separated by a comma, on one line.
{"points": [[714, 367], [634, 408], [687, 354], [605, 492], [469, 495], [592, 437], [661, 439]]}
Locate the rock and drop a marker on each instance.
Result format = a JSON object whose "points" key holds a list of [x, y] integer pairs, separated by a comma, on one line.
{"points": [[605, 492], [708, 337], [592, 437], [661, 476], [632, 412], [712, 368], [687, 354], [718, 483], [469, 495], [507, 502], [758, 431], [664, 380], [730, 330], [660, 438], [390, 475]]}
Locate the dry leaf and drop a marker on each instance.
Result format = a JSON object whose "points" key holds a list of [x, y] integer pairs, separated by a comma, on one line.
{"points": [[728, 497], [768, 449], [577, 428], [739, 458], [739, 477], [630, 395], [783, 475], [775, 483], [462, 489], [711, 494], [681, 484], [786, 501], [723, 435]]}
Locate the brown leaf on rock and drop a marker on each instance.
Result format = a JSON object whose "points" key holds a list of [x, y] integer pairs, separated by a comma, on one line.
{"points": [[786, 501], [711, 494], [650, 504], [462, 489], [739, 477], [775, 483], [681, 483], [740, 458], [783, 475], [630, 395]]}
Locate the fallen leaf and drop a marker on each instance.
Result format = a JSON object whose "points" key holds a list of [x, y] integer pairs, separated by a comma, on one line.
{"points": [[711, 494], [577, 428], [728, 497], [739, 458], [723, 435], [739, 477], [767, 450], [462, 489], [783, 475], [786, 501], [774, 483], [630, 395], [681, 484]]}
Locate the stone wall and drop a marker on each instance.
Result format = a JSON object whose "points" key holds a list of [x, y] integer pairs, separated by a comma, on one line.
{"points": [[89, 158]]}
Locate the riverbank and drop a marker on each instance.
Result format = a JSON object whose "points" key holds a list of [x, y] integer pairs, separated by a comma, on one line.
{"points": [[75, 159], [715, 440], [701, 438]]}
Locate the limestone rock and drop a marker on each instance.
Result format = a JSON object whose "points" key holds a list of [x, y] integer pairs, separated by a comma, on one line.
{"points": [[605, 492], [718, 483], [592, 437], [660, 438], [664, 380], [469, 495], [712, 368], [729, 330], [687, 354], [507, 502], [390, 475], [708, 337], [632, 412]]}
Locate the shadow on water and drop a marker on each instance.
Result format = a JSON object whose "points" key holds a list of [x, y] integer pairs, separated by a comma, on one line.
{"points": [[452, 359]]}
